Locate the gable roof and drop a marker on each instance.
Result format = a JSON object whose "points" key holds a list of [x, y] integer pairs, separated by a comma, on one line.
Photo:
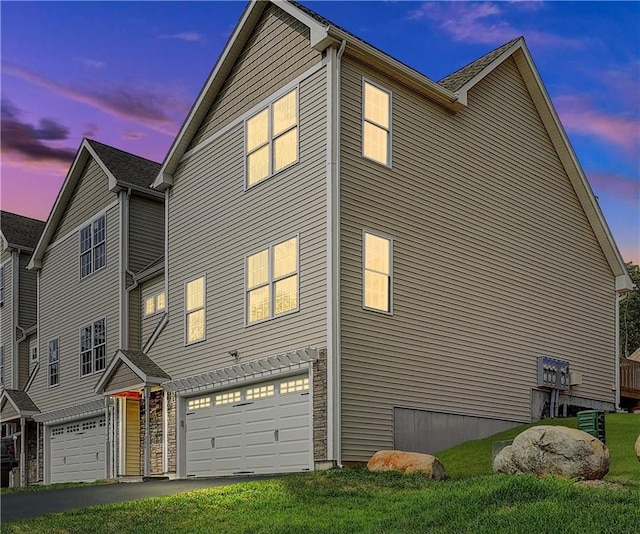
{"points": [[21, 402], [142, 365], [20, 232], [123, 170]]}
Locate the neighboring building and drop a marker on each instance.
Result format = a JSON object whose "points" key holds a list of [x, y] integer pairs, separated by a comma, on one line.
{"points": [[351, 257], [106, 227], [18, 325]]}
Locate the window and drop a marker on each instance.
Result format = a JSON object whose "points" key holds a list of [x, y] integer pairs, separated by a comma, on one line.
{"points": [[376, 124], [1, 286], [377, 264], [54, 370], [272, 281], [272, 138], [2, 365], [33, 350], [93, 250], [291, 386], [155, 303], [260, 392], [93, 353], [228, 398], [196, 404], [194, 309]]}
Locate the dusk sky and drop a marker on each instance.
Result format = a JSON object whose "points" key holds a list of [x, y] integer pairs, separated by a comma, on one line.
{"points": [[126, 74]]}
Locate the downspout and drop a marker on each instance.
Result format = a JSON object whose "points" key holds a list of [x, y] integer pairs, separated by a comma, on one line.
{"points": [[124, 269], [15, 310]]}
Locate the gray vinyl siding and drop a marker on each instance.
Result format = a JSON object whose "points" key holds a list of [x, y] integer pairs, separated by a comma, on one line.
{"points": [[63, 312], [8, 412], [28, 294], [149, 324], [6, 316], [90, 195], [122, 378], [214, 222], [23, 364], [146, 232], [277, 52], [134, 319], [494, 263]]}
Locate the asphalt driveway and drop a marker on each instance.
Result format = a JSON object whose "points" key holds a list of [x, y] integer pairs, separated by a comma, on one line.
{"points": [[30, 504]]}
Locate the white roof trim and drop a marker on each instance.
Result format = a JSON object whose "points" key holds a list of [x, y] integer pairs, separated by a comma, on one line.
{"points": [[86, 409], [21, 413], [120, 358], [243, 371]]}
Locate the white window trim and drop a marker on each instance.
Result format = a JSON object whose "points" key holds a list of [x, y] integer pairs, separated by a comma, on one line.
{"points": [[271, 282], [153, 295], [389, 129], [204, 307], [93, 246], [33, 345], [49, 364], [93, 348], [362, 258], [269, 106]]}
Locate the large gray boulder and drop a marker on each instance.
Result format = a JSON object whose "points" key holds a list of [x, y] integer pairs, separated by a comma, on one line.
{"points": [[555, 450]]}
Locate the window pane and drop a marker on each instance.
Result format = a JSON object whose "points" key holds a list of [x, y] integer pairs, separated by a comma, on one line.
{"points": [[101, 357], [99, 333], [85, 264], [195, 326], [285, 149], [285, 258], [257, 130], [376, 291], [258, 165], [375, 143], [161, 302], [87, 363], [85, 339], [258, 269], [53, 351], [99, 257], [376, 105], [376, 253], [286, 295], [258, 304], [284, 113], [195, 294], [98, 231], [85, 238], [150, 306]]}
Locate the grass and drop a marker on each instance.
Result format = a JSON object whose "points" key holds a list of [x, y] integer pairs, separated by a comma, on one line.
{"points": [[43, 487], [356, 501]]}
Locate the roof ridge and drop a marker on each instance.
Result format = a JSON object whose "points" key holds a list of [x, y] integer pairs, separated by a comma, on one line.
{"points": [[91, 141], [20, 215]]}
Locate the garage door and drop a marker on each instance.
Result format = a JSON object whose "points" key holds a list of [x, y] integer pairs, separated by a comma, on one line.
{"points": [[258, 429], [78, 451]]}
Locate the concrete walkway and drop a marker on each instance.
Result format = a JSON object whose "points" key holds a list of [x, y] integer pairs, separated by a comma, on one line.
{"points": [[30, 504]]}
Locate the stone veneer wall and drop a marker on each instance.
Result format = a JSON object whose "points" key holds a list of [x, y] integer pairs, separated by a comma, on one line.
{"points": [[34, 464], [155, 431], [171, 431], [320, 407]]}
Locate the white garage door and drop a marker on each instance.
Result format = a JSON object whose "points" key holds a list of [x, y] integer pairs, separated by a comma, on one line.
{"points": [[78, 451], [257, 429]]}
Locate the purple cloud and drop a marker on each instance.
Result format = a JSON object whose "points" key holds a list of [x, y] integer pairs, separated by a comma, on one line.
{"points": [[484, 23], [132, 135], [148, 105], [27, 141], [618, 185]]}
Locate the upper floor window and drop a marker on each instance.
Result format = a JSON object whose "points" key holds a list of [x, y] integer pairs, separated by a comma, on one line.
{"points": [[54, 362], [272, 281], [376, 123], [195, 310], [377, 272], [33, 350], [2, 365], [1, 286], [272, 138], [155, 303], [93, 348], [93, 250]]}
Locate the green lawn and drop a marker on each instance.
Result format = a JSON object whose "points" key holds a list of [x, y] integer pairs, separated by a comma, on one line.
{"points": [[356, 501]]}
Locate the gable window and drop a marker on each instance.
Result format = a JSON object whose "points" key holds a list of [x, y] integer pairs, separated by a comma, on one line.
{"points": [[377, 272], [54, 370], [271, 138], [93, 251], [93, 353], [194, 310], [272, 281], [155, 303], [376, 123]]}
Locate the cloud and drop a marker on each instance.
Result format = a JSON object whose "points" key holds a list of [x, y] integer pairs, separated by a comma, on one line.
{"points": [[484, 23], [93, 63], [132, 135], [90, 130], [579, 116], [190, 37], [27, 141], [148, 105], [618, 185]]}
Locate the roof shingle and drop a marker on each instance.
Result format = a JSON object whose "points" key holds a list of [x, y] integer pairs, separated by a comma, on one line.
{"points": [[20, 230], [126, 167]]}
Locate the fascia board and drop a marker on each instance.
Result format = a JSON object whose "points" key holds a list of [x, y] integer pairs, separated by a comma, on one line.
{"points": [[208, 93], [572, 166]]}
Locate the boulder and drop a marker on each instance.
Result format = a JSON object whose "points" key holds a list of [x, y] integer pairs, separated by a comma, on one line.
{"points": [[638, 448], [555, 450], [407, 462]]}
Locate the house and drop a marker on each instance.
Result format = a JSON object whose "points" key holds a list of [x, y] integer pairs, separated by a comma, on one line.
{"points": [[360, 258], [94, 261], [351, 257], [18, 325]]}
